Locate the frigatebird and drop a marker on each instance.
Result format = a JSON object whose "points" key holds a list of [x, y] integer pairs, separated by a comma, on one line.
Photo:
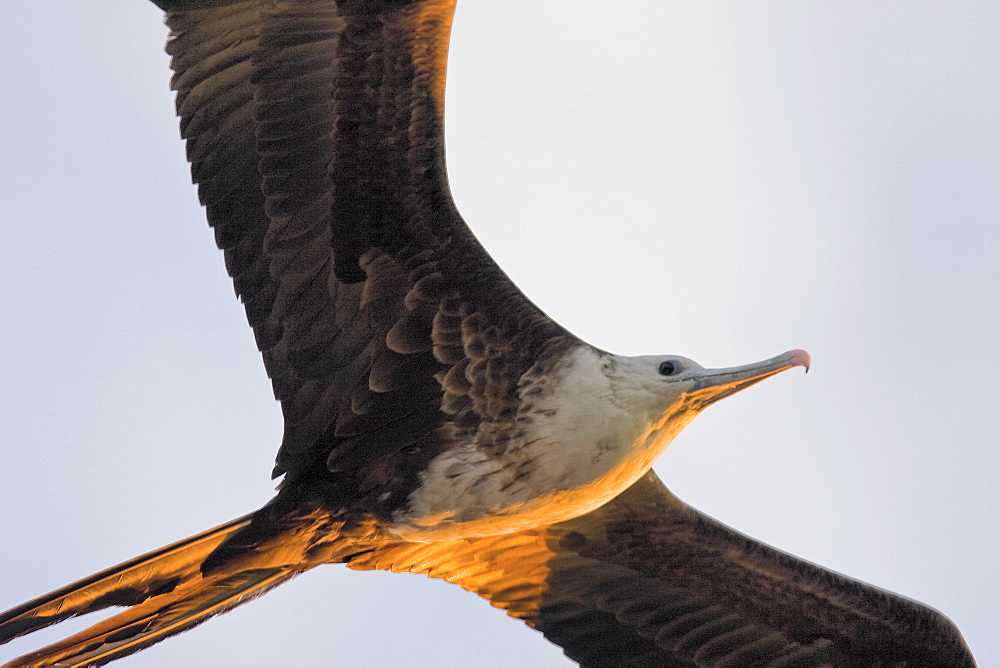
{"points": [[707, 628]]}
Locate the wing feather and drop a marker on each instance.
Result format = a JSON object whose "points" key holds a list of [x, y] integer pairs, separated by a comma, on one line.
{"points": [[646, 580], [314, 131]]}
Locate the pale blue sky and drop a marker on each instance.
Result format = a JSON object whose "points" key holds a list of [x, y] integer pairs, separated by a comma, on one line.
{"points": [[722, 182]]}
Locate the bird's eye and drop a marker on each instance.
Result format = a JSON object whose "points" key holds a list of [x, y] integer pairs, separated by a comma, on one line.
{"points": [[668, 368]]}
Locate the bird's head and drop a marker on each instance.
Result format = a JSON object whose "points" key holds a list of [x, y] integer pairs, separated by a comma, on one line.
{"points": [[667, 391]]}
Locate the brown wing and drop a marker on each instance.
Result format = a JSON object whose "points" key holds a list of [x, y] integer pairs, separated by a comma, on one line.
{"points": [[648, 581], [314, 130]]}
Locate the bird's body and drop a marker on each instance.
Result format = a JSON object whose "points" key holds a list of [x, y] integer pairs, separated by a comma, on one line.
{"points": [[583, 432], [435, 419], [566, 451]]}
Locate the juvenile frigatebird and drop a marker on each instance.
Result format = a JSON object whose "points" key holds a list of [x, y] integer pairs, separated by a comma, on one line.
{"points": [[709, 633]]}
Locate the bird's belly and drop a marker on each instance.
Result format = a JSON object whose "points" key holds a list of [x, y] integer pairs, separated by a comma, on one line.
{"points": [[467, 494]]}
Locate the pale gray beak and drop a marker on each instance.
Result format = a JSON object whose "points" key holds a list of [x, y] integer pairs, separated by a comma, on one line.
{"points": [[714, 384]]}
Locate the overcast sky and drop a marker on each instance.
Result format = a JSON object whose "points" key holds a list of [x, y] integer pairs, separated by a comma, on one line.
{"points": [[723, 181]]}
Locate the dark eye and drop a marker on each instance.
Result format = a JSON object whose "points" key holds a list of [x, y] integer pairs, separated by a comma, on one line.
{"points": [[668, 368]]}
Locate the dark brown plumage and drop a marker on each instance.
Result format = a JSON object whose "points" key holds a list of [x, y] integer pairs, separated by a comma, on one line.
{"points": [[320, 128], [649, 581], [314, 132]]}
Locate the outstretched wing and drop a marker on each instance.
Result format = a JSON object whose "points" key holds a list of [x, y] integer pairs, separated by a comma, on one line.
{"points": [[648, 581], [314, 130]]}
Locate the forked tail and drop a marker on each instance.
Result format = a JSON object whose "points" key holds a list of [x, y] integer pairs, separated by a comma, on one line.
{"points": [[168, 592]]}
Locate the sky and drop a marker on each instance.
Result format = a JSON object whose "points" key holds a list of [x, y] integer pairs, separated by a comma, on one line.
{"points": [[723, 181]]}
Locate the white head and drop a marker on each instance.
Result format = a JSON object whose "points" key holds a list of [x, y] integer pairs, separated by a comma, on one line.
{"points": [[667, 391]]}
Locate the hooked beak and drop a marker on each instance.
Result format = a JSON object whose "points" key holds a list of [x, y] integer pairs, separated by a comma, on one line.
{"points": [[710, 385]]}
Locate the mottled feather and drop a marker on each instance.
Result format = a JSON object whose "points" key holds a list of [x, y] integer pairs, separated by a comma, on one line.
{"points": [[314, 130]]}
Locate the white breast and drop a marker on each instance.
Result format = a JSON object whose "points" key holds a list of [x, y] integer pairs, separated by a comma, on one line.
{"points": [[579, 447]]}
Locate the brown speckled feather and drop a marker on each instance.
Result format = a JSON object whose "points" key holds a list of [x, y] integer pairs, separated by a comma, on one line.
{"points": [[648, 581], [314, 131]]}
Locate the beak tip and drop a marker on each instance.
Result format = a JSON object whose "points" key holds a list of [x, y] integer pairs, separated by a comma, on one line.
{"points": [[800, 358]]}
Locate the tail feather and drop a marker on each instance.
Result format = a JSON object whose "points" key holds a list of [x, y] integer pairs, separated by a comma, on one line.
{"points": [[156, 619], [128, 583], [179, 586], [167, 591]]}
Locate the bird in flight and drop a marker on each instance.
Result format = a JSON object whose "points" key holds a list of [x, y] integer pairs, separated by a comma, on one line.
{"points": [[435, 421]]}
